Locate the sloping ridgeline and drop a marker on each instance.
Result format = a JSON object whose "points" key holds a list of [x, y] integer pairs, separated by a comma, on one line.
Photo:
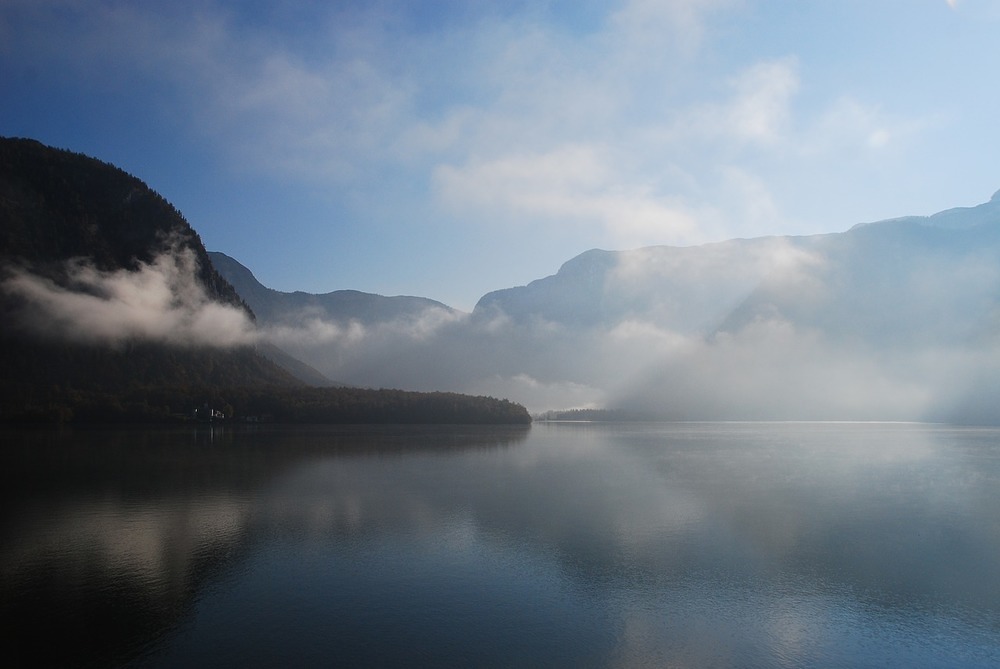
{"points": [[73, 231]]}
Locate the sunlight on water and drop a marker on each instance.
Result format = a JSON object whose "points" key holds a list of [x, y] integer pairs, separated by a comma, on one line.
{"points": [[733, 544]]}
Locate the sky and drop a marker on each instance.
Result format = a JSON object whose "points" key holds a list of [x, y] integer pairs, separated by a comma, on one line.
{"points": [[450, 148]]}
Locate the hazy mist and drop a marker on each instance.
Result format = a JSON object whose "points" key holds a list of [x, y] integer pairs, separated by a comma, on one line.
{"points": [[161, 301], [892, 321]]}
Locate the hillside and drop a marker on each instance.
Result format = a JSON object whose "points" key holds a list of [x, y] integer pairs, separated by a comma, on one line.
{"points": [[79, 235], [110, 310], [57, 205]]}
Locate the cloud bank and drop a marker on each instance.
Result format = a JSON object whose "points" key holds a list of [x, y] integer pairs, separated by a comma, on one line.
{"points": [[160, 301], [896, 321], [768, 329]]}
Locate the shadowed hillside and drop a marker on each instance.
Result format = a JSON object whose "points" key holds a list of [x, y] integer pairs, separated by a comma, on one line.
{"points": [[112, 311]]}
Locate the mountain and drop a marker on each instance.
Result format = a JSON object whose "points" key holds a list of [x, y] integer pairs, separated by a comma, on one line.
{"points": [[58, 205], [893, 320], [110, 310], [903, 282], [108, 290], [897, 319], [687, 289], [110, 307], [928, 278], [276, 308], [872, 278], [355, 338]]}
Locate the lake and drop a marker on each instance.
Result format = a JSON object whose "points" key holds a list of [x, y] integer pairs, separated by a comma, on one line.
{"points": [[555, 545]]}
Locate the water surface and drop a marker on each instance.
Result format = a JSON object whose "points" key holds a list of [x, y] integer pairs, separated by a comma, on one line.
{"points": [[558, 545]]}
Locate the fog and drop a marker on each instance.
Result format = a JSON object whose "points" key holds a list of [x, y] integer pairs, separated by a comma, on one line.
{"points": [[891, 322], [896, 321], [160, 301]]}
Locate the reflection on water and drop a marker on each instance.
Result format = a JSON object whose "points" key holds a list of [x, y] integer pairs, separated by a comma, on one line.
{"points": [[556, 545]]}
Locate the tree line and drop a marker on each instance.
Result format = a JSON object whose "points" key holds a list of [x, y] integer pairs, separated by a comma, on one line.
{"points": [[276, 404]]}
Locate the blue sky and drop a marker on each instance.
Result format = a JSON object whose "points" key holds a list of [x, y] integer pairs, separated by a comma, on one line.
{"points": [[450, 148]]}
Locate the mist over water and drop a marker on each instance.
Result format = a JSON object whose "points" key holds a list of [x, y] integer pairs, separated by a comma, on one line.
{"points": [[736, 544]]}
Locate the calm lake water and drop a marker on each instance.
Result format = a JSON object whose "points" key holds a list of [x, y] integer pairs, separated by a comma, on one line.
{"points": [[558, 545]]}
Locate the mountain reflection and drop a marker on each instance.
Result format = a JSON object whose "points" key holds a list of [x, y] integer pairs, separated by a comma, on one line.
{"points": [[568, 545], [108, 535]]}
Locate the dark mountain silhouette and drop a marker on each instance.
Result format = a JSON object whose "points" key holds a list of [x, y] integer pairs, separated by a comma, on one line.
{"points": [[894, 320], [57, 205], [59, 209], [110, 310]]}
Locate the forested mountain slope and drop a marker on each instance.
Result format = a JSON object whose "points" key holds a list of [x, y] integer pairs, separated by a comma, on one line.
{"points": [[110, 310]]}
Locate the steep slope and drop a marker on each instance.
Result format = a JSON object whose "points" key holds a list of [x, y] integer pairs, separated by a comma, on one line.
{"points": [[57, 205], [111, 311], [107, 289], [928, 278], [351, 337]]}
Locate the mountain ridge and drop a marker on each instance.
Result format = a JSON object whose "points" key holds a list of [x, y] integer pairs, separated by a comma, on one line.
{"points": [[892, 320], [275, 306]]}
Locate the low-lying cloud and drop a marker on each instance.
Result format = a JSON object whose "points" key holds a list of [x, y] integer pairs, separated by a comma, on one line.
{"points": [[868, 326], [767, 329], [160, 301]]}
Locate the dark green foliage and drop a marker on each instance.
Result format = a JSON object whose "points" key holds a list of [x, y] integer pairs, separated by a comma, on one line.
{"points": [[58, 382], [256, 404], [356, 405]]}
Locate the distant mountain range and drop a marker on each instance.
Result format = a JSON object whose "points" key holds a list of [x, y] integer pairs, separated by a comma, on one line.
{"points": [[894, 320], [275, 307], [109, 299], [890, 278]]}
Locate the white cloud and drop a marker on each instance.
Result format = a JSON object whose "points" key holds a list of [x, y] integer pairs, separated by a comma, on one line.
{"points": [[570, 185], [315, 331], [660, 122], [848, 125], [760, 111], [160, 301], [663, 24], [756, 111]]}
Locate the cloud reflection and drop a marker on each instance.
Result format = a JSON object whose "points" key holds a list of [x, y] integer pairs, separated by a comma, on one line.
{"points": [[688, 544]]}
